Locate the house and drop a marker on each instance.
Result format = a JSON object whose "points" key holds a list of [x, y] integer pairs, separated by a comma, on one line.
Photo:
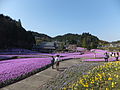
{"points": [[72, 47], [46, 47]]}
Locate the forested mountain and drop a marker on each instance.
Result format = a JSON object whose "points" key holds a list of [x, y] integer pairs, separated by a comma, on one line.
{"points": [[68, 38], [12, 34], [116, 42], [39, 37], [85, 40], [89, 41]]}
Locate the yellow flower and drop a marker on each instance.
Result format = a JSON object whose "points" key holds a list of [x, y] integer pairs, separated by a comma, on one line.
{"points": [[96, 78], [92, 81], [76, 85], [100, 75], [109, 78], [64, 89], [75, 88], [113, 84], [117, 76], [81, 81], [85, 76], [86, 85], [106, 88], [91, 89], [70, 87], [73, 84], [103, 74]]}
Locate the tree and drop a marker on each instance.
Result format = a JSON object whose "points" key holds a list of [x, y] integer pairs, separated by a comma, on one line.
{"points": [[89, 41], [19, 22], [13, 35]]}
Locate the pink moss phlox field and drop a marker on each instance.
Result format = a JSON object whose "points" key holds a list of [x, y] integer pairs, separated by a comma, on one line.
{"points": [[13, 68], [67, 54], [90, 55], [4, 57], [80, 49], [98, 50], [17, 51], [110, 59], [38, 56]]}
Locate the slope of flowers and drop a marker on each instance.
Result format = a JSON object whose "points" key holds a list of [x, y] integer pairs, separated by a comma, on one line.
{"points": [[4, 57], [103, 77], [17, 51], [64, 56], [90, 55], [11, 69], [110, 59], [15, 68], [26, 56], [98, 51], [80, 49]]}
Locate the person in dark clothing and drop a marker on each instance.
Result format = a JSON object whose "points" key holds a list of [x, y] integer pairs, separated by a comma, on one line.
{"points": [[52, 62], [106, 57], [117, 56]]}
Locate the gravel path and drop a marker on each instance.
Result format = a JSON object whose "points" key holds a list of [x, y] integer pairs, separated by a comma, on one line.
{"points": [[69, 75]]}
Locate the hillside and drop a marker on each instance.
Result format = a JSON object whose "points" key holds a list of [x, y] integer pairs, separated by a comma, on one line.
{"points": [[84, 40], [12, 34], [39, 37]]}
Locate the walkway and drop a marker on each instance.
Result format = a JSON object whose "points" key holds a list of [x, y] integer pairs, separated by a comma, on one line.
{"points": [[34, 82]]}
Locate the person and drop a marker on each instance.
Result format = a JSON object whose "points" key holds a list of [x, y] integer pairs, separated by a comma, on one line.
{"points": [[117, 56], [106, 57], [112, 54], [52, 62], [57, 60]]}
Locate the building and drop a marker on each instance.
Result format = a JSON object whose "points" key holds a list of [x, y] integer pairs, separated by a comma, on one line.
{"points": [[45, 47], [72, 47]]}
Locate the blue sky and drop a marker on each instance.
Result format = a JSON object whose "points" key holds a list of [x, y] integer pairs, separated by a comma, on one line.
{"points": [[57, 17]]}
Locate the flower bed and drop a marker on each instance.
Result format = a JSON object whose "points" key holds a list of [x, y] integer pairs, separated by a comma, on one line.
{"points": [[110, 59], [70, 74], [17, 51], [16, 69], [103, 77], [26, 56]]}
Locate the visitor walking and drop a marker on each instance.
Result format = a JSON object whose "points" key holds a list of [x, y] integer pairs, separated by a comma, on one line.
{"points": [[57, 60], [112, 54], [106, 57], [52, 62], [117, 56]]}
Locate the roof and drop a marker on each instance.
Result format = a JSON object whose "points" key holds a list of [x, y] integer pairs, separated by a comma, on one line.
{"points": [[47, 45]]}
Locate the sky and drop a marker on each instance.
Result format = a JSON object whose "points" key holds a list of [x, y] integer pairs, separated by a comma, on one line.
{"points": [[57, 17]]}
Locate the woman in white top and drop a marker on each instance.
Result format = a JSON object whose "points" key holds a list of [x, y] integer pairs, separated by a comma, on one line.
{"points": [[57, 62]]}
